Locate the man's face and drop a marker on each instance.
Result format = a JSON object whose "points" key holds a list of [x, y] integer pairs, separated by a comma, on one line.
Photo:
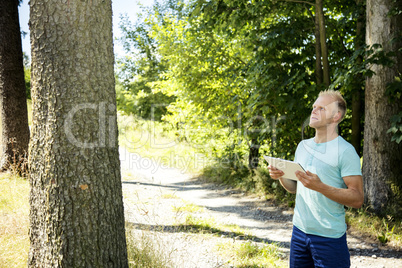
{"points": [[324, 109]]}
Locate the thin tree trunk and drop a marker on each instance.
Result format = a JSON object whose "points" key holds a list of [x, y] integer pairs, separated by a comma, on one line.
{"points": [[318, 64], [323, 42], [356, 120], [254, 154], [76, 216], [357, 111], [382, 158], [13, 104]]}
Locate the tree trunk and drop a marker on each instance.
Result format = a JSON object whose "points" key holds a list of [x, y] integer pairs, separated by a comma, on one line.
{"points": [[382, 167], [357, 90], [323, 41], [356, 118], [76, 216], [318, 64], [13, 103], [254, 155]]}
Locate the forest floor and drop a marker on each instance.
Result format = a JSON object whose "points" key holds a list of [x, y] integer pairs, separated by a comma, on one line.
{"points": [[158, 198]]}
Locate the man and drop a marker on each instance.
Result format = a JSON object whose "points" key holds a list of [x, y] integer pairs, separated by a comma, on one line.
{"points": [[333, 179]]}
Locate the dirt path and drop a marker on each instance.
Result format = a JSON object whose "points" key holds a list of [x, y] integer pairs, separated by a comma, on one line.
{"points": [[158, 197]]}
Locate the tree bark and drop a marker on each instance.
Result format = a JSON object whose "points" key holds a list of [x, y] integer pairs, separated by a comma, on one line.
{"points": [[382, 158], [13, 104], [357, 91], [356, 118], [76, 215]]}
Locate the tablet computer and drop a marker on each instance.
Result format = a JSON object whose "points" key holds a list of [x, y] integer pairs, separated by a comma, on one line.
{"points": [[288, 167]]}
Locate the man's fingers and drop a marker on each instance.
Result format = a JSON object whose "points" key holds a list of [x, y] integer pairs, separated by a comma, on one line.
{"points": [[272, 168], [275, 173]]}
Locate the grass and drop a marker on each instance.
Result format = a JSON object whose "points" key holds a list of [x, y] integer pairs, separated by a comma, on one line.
{"points": [[159, 142], [251, 254], [210, 226], [145, 251], [14, 224], [384, 230], [169, 196], [188, 207]]}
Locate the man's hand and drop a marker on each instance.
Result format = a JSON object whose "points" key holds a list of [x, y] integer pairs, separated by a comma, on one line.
{"points": [[275, 173], [309, 180]]}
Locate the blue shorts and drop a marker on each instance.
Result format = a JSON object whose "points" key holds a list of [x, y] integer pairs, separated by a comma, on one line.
{"points": [[308, 251]]}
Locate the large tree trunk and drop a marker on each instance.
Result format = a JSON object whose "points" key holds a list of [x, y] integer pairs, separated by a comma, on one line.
{"points": [[13, 104], [382, 169], [76, 216]]}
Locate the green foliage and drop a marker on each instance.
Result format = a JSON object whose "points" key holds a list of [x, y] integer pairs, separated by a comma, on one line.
{"points": [[386, 234], [136, 70], [132, 100], [394, 93], [28, 83], [27, 75], [240, 74], [387, 229], [396, 127], [231, 85]]}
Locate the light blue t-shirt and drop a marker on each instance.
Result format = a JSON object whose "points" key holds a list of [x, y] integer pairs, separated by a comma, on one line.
{"points": [[331, 161]]}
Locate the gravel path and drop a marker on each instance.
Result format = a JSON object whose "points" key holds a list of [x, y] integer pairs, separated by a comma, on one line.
{"points": [[157, 198]]}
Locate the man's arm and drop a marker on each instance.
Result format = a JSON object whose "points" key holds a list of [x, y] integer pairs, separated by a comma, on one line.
{"points": [[353, 196], [276, 174]]}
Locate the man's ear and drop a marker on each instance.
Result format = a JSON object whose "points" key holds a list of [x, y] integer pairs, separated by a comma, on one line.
{"points": [[337, 116]]}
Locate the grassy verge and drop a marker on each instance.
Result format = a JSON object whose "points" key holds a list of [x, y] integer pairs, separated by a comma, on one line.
{"points": [[242, 249], [14, 210], [145, 251], [250, 254], [385, 230]]}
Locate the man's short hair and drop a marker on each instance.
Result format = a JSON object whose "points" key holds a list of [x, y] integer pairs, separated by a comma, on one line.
{"points": [[336, 95]]}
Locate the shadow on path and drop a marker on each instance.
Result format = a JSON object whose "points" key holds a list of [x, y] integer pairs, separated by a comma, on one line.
{"points": [[200, 229]]}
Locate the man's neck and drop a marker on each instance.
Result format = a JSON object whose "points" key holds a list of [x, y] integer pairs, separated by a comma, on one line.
{"points": [[325, 135]]}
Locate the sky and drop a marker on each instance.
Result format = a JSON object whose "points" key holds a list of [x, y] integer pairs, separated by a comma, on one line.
{"points": [[129, 7]]}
